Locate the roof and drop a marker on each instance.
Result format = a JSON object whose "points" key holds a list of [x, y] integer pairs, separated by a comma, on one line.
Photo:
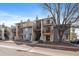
{"points": [[24, 22], [34, 21], [44, 19]]}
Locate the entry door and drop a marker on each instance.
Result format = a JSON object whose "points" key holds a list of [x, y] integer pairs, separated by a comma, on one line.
{"points": [[48, 38], [27, 33]]}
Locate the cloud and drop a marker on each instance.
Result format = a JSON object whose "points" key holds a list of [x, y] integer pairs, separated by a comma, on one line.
{"points": [[11, 19]]}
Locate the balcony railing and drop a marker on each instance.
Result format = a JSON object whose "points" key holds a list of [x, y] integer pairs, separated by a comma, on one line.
{"points": [[47, 33], [46, 30], [47, 24]]}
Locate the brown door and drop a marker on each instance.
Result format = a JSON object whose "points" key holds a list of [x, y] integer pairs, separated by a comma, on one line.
{"points": [[48, 38]]}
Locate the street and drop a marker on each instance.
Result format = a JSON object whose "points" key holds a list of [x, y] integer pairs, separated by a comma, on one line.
{"points": [[11, 49]]}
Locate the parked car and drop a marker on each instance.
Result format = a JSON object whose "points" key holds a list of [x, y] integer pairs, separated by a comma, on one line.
{"points": [[75, 41]]}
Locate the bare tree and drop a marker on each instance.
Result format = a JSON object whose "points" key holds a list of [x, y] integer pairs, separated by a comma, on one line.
{"points": [[63, 15]]}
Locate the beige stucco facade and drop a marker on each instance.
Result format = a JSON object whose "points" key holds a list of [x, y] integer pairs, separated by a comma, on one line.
{"points": [[46, 29]]}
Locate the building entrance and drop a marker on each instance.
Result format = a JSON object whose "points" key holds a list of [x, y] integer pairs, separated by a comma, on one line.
{"points": [[38, 34], [47, 38]]}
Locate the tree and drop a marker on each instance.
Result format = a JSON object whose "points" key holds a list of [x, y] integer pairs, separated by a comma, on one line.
{"points": [[63, 15]]}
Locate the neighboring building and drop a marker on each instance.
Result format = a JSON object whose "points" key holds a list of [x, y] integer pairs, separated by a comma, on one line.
{"points": [[13, 32], [5, 32], [2, 27]]}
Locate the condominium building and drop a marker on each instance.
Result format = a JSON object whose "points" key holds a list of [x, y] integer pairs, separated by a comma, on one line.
{"points": [[37, 30], [40, 29]]}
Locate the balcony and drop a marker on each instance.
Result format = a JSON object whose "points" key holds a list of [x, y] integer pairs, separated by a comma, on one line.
{"points": [[47, 32], [48, 23]]}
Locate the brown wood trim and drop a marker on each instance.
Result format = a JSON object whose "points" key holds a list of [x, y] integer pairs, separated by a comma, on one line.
{"points": [[47, 33]]}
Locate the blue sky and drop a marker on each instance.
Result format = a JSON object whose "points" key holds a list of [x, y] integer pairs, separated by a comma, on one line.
{"points": [[11, 13]]}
